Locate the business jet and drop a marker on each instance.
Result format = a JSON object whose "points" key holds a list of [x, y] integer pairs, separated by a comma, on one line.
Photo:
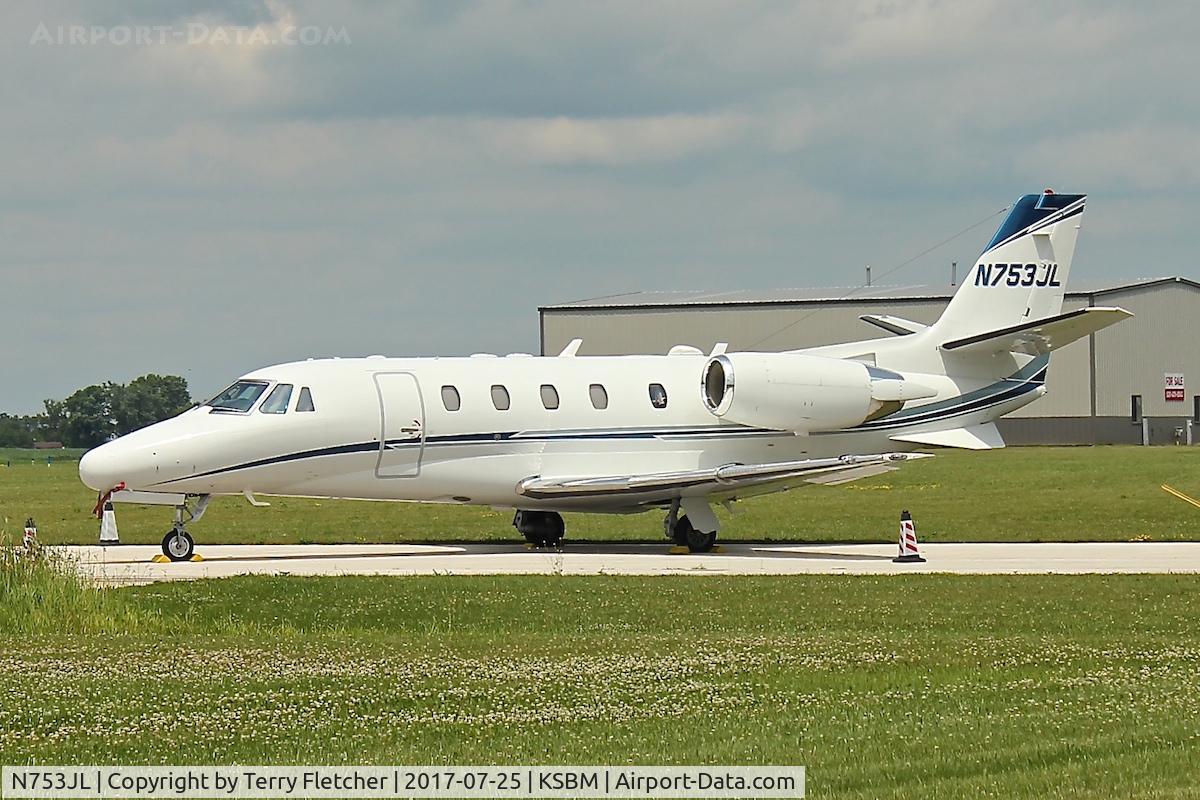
{"points": [[679, 432]]}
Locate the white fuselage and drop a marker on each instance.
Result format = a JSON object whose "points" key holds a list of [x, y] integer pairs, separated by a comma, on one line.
{"points": [[381, 429], [624, 433]]}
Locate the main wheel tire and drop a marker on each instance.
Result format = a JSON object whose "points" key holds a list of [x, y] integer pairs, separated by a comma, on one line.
{"points": [[540, 528], [683, 529], [552, 534], [522, 522], [685, 535], [178, 545], [698, 542]]}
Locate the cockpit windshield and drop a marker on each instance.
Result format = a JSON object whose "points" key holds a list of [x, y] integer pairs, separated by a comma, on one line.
{"points": [[239, 397]]}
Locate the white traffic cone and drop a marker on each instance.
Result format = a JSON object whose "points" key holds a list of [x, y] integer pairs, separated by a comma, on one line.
{"points": [[908, 541], [30, 537], [108, 525]]}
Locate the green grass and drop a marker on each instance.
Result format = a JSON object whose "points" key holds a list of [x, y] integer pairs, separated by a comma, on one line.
{"points": [[1018, 494], [41, 591], [21, 455], [912, 686]]}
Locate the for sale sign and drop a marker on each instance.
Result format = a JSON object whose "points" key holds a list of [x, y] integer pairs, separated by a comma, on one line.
{"points": [[1173, 389]]}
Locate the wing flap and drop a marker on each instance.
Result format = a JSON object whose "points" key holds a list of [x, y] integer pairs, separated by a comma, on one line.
{"points": [[850, 475], [1039, 337], [703, 481]]}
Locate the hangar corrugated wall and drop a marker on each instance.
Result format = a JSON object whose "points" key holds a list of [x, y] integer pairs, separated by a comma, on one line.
{"points": [[1090, 384]]}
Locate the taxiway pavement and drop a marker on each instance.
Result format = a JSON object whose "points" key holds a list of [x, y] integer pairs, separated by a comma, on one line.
{"points": [[133, 564]]}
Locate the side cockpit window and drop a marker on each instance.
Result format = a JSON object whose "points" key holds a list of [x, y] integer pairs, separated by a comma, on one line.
{"points": [[305, 402], [277, 401], [240, 397]]}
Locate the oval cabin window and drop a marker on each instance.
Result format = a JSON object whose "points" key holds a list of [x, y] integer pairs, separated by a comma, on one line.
{"points": [[599, 396], [658, 395], [500, 398]]}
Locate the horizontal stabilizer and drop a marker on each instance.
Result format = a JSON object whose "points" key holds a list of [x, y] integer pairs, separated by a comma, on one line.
{"points": [[1038, 337], [896, 325], [976, 437]]}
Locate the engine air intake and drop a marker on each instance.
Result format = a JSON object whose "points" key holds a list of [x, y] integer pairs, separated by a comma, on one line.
{"points": [[718, 384]]}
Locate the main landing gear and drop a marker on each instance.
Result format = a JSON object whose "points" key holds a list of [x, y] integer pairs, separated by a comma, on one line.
{"points": [[178, 544], [696, 529], [699, 536], [540, 528]]}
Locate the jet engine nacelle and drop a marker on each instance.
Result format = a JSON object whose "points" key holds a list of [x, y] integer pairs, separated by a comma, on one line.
{"points": [[786, 391]]}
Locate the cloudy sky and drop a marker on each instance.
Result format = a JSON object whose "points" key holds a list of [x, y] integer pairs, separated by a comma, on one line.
{"points": [[187, 187]]}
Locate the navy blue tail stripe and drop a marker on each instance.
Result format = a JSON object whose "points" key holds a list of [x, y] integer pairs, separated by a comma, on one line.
{"points": [[1033, 212], [966, 408]]}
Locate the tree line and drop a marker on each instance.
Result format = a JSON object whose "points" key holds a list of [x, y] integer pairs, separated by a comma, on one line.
{"points": [[94, 414]]}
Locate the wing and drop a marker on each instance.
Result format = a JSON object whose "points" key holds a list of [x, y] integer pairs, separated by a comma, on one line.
{"points": [[723, 482], [1039, 337]]}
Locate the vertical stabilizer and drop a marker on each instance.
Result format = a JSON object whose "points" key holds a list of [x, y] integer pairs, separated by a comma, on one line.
{"points": [[1022, 273]]}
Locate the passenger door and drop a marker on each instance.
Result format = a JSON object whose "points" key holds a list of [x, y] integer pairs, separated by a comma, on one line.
{"points": [[401, 425]]}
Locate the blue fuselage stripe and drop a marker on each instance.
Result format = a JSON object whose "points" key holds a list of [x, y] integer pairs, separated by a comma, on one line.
{"points": [[995, 394]]}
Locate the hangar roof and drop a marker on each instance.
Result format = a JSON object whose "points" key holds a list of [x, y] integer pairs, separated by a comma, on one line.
{"points": [[832, 294]]}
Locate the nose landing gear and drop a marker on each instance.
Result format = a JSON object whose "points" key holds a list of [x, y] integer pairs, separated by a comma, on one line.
{"points": [[178, 544]]}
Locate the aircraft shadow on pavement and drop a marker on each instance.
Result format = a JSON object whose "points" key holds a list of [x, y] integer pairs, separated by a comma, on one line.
{"points": [[728, 550], [734, 550]]}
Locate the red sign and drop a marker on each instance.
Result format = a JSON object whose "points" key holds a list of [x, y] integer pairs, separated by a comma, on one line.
{"points": [[1173, 387]]}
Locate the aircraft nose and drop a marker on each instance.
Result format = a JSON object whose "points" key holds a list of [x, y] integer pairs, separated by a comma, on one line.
{"points": [[100, 468]]}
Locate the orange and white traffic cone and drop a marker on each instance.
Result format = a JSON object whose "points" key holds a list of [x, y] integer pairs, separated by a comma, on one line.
{"points": [[908, 541], [30, 537]]}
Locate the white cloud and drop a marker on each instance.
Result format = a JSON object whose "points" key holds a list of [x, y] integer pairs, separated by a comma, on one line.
{"points": [[498, 155], [1133, 155], [563, 140]]}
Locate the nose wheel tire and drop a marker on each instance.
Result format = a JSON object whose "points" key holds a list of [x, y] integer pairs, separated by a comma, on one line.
{"points": [[177, 545], [695, 541]]}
